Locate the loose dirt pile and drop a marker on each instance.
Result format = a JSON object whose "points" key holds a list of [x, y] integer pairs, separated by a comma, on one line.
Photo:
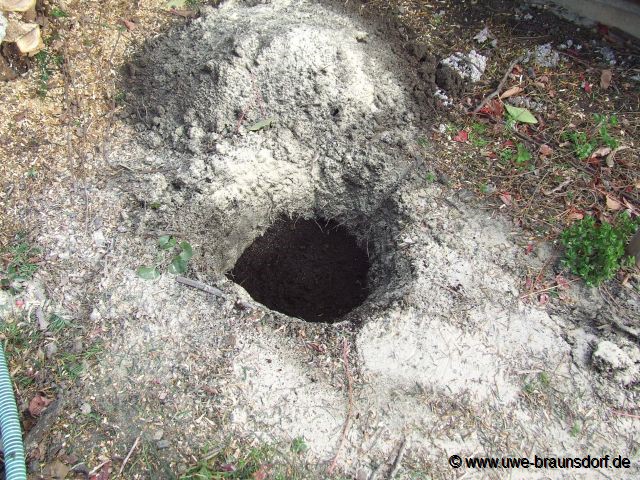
{"points": [[293, 108]]}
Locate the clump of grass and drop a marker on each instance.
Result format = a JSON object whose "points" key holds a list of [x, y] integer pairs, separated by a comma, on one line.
{"points": [[596, 251], [477, 135], [47, 62], [20, 264], [241, 462]]}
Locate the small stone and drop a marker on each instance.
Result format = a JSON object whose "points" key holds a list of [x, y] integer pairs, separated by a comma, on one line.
{"points": [[50, 350], [162, 444], [85, 409], [95, 315], [82, 469], [77, 345], [99, 239], [158, 434]]}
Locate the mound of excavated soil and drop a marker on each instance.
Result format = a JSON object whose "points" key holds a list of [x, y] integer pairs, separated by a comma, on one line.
{"points": [[447, 355], [315, 71]]}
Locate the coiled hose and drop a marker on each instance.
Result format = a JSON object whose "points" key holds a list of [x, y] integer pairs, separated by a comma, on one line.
{"points": [[14, 460]]}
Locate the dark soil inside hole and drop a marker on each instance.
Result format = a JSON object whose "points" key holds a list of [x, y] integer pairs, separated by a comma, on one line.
{"points": [[310, 269]]}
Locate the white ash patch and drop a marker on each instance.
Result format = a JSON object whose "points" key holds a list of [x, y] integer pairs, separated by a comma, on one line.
{"points": [[470, 66], [441, 95], [545, 56]]}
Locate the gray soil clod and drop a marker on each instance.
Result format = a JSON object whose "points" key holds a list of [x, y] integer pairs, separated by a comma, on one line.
{"points": [[446, 355]]}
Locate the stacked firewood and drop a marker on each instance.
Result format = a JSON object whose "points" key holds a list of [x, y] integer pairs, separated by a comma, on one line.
{"points": [[17, 25]]}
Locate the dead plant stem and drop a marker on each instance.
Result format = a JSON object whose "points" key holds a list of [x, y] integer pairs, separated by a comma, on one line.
{"points": [[347, 422]]}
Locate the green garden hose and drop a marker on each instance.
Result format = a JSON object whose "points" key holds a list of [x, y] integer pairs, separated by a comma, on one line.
{"points": [[14, 459]]}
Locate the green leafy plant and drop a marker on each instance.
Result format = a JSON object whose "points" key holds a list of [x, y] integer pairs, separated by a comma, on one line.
{"points": [[582, 146], [522, 155], [521, 115], [575, 429], [595, 251], [179, 263], [431, 177], [604, 123], [58, 323], [58, 13], [298, 445], [506, 155], [148, 273], [476, 135], [21, 265], [166, 242]]}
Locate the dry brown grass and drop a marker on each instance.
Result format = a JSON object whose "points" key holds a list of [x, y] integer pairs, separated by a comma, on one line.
{"points": [[50, 130]]}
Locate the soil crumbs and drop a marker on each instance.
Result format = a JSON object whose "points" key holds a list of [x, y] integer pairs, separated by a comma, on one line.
{"points": [[473, 340]]}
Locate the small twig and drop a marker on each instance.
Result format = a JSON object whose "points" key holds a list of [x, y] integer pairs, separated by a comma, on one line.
{"points": [[347, 422], [97, 469], [625, 414], [398, 460], [497, 91], [200, 286], [180, 13], [531, 294], [126, 459], [258, 95]]}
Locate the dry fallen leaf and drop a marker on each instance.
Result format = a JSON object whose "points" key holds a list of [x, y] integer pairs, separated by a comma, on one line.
{"points": [[38, 404], [506, 198], [605, 79], [613, 204], [129, 24], [511, 92], [545, 150], [611, 157], [56, 470], [575, 216], [262, 473], [462, 136], [543, 299], [562, 282], [601, 152]]}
